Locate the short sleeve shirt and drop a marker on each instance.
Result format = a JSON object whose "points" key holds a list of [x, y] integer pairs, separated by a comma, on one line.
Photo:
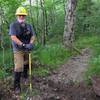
{"points": [[23, 33]]}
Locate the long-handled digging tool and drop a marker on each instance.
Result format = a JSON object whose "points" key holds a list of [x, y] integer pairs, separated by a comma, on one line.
{"points": [[30, 78], [30, 73]]}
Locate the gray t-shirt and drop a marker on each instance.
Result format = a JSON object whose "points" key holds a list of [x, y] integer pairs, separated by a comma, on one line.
{"points": [[23, 33]]}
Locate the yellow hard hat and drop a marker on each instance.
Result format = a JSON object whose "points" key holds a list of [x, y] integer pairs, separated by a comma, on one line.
{"points": [[21, 11]]}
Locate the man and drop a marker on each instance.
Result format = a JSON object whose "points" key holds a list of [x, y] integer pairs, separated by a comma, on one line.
{"points": [[22, 37]]}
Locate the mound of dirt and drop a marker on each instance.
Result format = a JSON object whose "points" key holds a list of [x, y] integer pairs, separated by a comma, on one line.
{"points": [[51, 90]]}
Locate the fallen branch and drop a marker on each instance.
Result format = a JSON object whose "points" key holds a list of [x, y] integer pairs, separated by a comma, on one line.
{"points": [[77, 50]]}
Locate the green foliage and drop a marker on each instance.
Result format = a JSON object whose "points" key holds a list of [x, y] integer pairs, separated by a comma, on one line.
{"points": [[9, 7], [6, 57], [94, 68], [54, 16], [87, 41], [40, 71], [52, 54], [3, 74], [49, 57], [87, 17], [6, 62]]}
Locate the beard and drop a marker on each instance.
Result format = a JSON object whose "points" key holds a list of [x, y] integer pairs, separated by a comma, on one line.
{"points": [[21, 20]]}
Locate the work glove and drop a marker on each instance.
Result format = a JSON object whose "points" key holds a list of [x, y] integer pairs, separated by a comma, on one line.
{"points": [[22, 46], [29, 46]]}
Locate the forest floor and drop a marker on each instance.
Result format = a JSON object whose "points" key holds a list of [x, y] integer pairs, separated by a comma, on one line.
{"points": [[65, 83]]}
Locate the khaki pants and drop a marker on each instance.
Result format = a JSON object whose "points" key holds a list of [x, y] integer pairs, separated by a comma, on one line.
{"points": [[20, 59]]}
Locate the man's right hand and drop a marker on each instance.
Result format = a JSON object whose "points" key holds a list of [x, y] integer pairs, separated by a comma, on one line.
{"points": [[22, 46]]}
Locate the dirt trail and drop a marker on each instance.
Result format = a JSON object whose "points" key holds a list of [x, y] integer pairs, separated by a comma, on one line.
{"points": [[61, 84], [74, 69]]}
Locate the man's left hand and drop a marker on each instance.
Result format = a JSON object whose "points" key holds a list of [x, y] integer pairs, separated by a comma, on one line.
{"points": [[29, 46]]}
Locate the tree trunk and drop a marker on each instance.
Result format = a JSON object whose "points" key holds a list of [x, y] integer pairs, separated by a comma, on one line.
{"points": [[1, 23], [31, 18], [44, 22], [37, 20], [68, 36]]}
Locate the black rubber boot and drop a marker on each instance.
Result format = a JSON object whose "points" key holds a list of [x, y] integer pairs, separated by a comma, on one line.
{"points": [[25, 71], [25, 74], [17, 88]]}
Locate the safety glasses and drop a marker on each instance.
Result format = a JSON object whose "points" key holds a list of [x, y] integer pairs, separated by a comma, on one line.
{"points": [[21, 15]]}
